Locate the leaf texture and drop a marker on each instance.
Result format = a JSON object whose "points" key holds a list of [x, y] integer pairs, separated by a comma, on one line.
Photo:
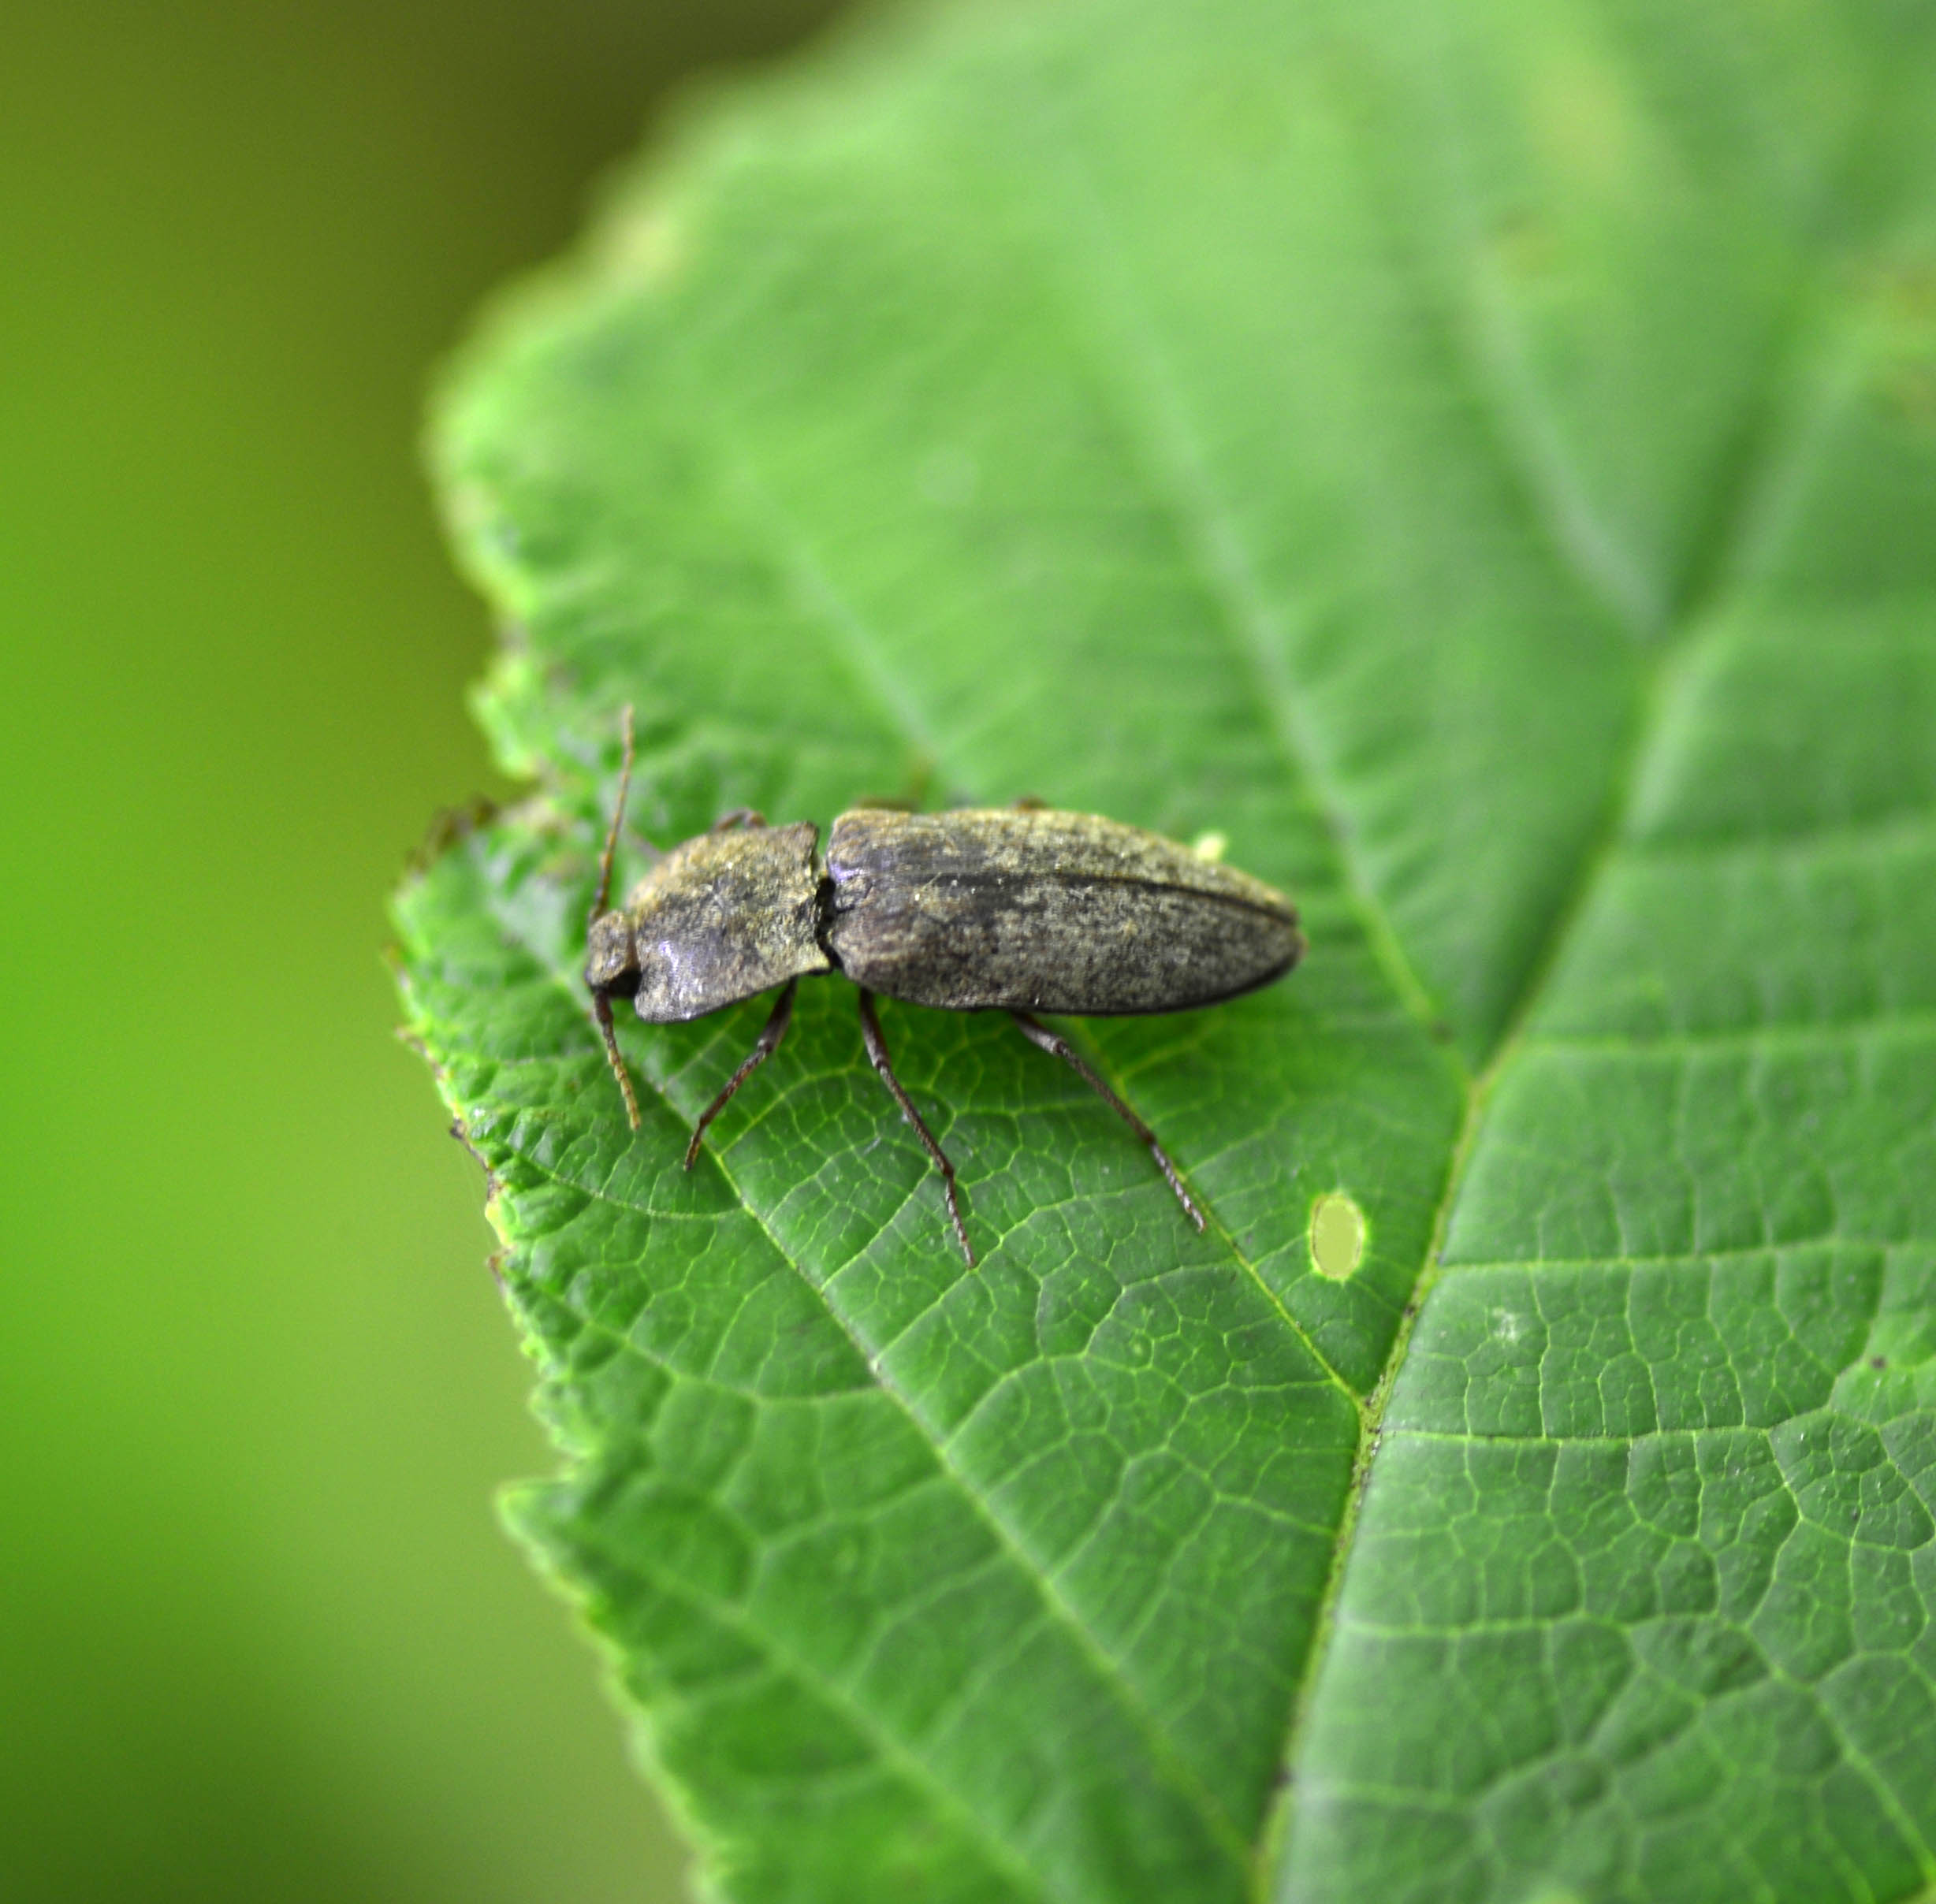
{"points": [[1482, 463]]}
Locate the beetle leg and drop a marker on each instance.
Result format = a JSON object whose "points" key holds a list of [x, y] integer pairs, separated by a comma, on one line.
{"points": [[1038, 1033], [602, 1011], [878, 1055], [764, 1046], [740, 816]]}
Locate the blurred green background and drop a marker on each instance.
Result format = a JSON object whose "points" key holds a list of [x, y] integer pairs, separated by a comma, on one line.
{"points": [[260, 1634]]}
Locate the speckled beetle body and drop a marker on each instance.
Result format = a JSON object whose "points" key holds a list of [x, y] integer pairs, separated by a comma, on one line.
{"points": [[1019, 910]]}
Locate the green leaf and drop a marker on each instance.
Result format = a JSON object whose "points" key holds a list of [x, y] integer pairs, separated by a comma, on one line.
{"points": [[1482, 461]]}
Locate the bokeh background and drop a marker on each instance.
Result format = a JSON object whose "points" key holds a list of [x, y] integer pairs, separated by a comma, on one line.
{"points": [[261, 1636]]}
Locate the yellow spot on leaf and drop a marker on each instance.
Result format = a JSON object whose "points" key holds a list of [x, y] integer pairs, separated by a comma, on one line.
{"points": [[1337, 1235]]}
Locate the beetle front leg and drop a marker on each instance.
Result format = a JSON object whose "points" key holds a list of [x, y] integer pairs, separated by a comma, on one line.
{"points": [[601, 1014], [764, 1046], [1037, 1033], [877, 1055]]}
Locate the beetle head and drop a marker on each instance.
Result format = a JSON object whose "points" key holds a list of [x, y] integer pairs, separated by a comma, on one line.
{"points": [[610, 964]]}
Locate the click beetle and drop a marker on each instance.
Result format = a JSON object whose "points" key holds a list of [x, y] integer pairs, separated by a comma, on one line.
{"points": [[1019, 910]]}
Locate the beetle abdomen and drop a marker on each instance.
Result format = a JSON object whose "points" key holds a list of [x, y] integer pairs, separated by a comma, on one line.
{"points": [[1037, 911]]}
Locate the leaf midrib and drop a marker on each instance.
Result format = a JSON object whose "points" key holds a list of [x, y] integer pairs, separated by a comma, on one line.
{"points": [[1694, 623]]}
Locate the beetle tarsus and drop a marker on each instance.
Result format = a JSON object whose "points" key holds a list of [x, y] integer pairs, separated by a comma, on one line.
{"points": [[1037, 1033], [877, 1056], [740, 816], [764, 1046], [602, 1010]]}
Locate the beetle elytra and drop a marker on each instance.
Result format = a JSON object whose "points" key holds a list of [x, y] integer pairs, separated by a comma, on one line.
{"points": [[1020, 910]]}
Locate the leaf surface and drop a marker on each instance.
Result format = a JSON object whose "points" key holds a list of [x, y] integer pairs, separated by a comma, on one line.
{"points": [[1482, 464]]}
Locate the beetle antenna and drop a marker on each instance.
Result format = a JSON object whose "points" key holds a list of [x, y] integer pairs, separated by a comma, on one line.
{"points": [[604, 890], [602, 1010]]}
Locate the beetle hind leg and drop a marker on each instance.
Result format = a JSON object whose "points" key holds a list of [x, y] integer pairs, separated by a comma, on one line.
{"points": [[1037, 1033], [877, 1056], [764, 1046]]}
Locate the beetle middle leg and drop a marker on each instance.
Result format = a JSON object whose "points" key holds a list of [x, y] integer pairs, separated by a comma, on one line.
{"points": [[1037, 1033], [764, 1046], [877, 1055]]}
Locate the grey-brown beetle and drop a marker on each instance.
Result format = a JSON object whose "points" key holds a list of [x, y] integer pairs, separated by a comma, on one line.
{"points": [[1017, 909]]}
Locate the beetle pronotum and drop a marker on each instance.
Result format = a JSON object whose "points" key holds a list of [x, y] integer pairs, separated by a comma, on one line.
{"points": [[1019, 910]]}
